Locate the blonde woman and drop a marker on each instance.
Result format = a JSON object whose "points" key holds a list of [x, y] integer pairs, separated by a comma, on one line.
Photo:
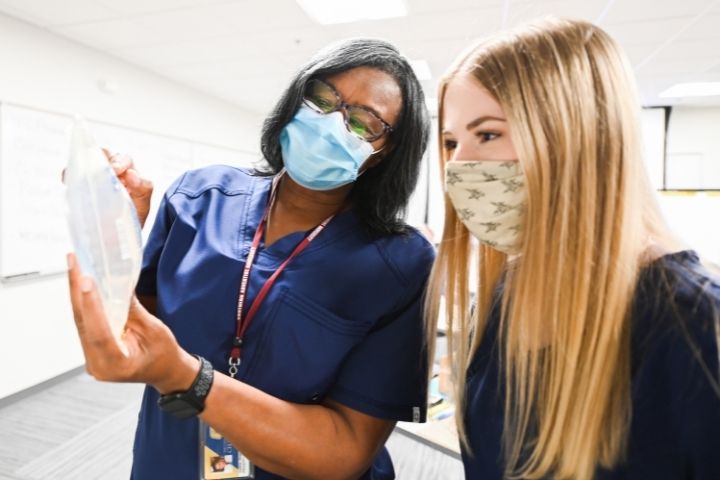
{"points": [[591, 349]]}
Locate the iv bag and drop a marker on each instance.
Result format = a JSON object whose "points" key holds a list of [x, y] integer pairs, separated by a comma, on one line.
{"points": [[104, 226]]}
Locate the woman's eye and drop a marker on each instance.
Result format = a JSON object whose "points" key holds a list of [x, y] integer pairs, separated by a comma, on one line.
{"points": [[357, 126], [487, 136], [321, 102], [450, 145]]}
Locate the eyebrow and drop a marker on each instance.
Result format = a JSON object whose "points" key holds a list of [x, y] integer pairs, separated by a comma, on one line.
{"points": [[481, 120]]}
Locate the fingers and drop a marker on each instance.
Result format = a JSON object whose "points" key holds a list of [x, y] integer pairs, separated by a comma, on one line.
{"points": [[75, 295], [95, 335], [124, 168], [76, 300], [137, 186], [140, 191], [97, 328], [86, 304], [119, 162]]}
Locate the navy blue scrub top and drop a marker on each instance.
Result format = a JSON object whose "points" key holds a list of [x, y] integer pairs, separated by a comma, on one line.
{"points": [[675, 425], [343, 321]]}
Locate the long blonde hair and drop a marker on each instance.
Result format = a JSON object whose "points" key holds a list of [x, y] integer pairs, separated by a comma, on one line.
{"points": [[571, 105]]}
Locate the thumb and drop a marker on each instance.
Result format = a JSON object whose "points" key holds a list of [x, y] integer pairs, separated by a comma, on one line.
{"points": [[137, 312], [96, 326], [140, 319], [148, 329]]}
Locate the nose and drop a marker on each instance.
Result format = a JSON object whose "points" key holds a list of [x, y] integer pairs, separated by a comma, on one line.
{"points": [[463, 152]]}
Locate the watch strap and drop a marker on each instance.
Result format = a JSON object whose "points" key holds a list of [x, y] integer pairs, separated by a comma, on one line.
{"points": [[192, 401]]}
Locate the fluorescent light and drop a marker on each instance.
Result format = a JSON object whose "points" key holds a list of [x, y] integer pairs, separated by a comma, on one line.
{"points": [[329, 12], [695, 89], [422, 69]]}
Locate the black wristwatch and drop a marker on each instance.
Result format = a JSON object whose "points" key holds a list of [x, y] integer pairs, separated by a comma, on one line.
{"points": [[190, 402]]}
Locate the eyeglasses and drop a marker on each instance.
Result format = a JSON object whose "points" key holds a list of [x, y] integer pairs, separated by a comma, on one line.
{"points": [[359, 120]]}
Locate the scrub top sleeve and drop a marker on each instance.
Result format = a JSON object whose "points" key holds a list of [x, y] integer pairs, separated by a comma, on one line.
{"points": [[147, 284], [385, 376]]}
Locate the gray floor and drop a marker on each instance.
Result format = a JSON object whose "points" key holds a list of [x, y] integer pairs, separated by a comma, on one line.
{"points": [[83, 422]]}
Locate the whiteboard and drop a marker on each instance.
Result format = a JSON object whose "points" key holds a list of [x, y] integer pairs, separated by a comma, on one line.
{"points": [[34, 146], [33, 229]]}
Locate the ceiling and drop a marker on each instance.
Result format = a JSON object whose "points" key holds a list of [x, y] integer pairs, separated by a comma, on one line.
{"points": [[245, 51]]}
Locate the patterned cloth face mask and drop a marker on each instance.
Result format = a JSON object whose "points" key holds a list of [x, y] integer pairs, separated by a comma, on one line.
{"points": [[490, 197]]}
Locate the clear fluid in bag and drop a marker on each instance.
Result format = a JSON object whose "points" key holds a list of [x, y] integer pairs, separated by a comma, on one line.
{"points": [[104, 226]]}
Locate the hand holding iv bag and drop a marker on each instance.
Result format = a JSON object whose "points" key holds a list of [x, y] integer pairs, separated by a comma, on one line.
{"points": [[104, 226]]}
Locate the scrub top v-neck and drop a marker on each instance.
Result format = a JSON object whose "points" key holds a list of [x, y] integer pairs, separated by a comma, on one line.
{"points": [[342, 322]]}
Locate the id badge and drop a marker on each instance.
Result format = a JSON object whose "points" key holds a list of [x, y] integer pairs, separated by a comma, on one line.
{"points": [[219, 459]]}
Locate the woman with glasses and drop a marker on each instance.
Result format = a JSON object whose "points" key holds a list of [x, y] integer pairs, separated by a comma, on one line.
{"points": [[279, 321], [591, 349]]}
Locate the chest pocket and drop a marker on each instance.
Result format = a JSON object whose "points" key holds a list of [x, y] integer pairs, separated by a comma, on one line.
{"points": [[302, 349]]}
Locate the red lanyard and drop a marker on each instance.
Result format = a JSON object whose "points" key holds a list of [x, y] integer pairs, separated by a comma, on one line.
{"points": [[243, 322]]}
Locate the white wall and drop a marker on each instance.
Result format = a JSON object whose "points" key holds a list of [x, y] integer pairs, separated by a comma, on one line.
{"points": [[693, 149], [38, 69], [652, 123]]}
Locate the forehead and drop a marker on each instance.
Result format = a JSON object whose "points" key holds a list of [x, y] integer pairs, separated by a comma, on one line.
{"points": [[372, 88], [465, 99]]}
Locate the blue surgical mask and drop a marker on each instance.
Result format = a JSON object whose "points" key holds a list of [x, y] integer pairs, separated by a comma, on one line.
{"points": [[319, 152]]}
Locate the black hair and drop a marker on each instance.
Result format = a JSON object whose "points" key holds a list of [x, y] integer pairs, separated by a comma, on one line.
{"points": [[380, 195]]}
